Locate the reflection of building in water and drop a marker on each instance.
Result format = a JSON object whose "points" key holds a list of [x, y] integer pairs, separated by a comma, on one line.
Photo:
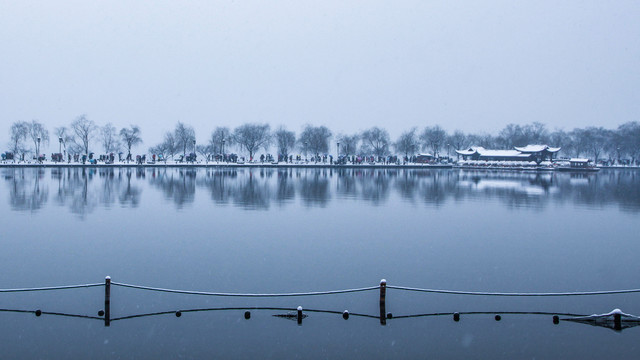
{"points": [[535, 184], [535, 153]]}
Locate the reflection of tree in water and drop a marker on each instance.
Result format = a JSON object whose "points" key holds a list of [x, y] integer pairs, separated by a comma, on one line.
{"points": [[365, 183], [254, 188], [27, 190], [83, 189], [129, 195], [374, 184], [346, 182], [74, 191], [178, 185], [219, 182], [406, 184], [247, 188], [251, 191], [286, 190], [436, 186], [603, 188], [624, 186], [314, 187], [108, 187]]}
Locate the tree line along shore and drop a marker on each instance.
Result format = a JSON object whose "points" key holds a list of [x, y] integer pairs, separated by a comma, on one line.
{"points": [[82, 139]]}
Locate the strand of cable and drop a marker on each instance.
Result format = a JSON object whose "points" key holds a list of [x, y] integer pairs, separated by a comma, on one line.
{"points": [[182, 311], [205, 293], [47, 288], [330, 292], [483, 293]]}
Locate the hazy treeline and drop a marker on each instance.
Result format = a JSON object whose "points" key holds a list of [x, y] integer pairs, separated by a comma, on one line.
{"points": [[83, 136]]}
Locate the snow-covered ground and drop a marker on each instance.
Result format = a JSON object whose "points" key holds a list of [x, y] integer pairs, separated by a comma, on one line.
{"points": [[210, 164], [506, 165]]}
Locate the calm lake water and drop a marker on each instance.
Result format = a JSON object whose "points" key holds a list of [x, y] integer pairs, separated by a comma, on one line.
{"points": [[298, 230]]}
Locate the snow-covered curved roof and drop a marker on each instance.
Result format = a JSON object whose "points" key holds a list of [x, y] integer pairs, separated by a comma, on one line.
{"points": [[466, 152], [536, 148], [492, 153], [472, 150], [485, 152]]}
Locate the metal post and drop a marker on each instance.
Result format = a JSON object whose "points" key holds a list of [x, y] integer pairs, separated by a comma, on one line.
{"points": [[383, 310], [107, 301], [299, 315]]}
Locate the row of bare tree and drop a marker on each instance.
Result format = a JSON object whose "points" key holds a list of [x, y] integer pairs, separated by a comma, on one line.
{"points": [[595, 142], [75, 139]]}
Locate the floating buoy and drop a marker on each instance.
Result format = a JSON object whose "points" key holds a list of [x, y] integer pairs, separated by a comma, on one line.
{"points": [[389, 316], [456, 316], [101, 313], [247, 315], [178, 313], [38, 312], [556, 319], [498, 317], [345, 315]]}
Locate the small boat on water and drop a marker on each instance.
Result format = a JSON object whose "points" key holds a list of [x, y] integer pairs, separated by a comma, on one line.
{"points": [[579, 165]]}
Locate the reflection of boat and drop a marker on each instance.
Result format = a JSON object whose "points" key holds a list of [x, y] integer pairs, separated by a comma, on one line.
{"points": [[582, 165]]}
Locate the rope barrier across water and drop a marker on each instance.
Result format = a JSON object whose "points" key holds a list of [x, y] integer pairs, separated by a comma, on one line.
{"points": [[47, 288], [329, 292], [482, 293], [205, 293], [612, 320]]}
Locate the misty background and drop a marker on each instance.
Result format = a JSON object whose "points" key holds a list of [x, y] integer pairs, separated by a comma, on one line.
{"points": [[349, 66]]}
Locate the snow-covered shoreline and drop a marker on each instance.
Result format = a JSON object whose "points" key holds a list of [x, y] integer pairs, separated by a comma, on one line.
{"points": [[220, 165], [171, 164]]}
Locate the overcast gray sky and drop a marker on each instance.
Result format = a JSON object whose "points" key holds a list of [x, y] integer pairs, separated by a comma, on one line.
{"points": [[349, 65]]}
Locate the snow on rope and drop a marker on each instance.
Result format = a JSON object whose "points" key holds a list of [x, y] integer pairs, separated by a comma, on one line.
{"points": [[65, 287], [329, 292], [188, 292], [482, 293]]}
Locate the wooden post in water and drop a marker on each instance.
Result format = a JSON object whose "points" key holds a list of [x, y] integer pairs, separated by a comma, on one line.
{"points": [[617, 321], [383, 308], [299, 315], [107, 301]]}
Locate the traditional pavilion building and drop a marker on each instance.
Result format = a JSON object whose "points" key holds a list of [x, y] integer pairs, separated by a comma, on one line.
{"points": [[539, 152], [535, 153]]}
